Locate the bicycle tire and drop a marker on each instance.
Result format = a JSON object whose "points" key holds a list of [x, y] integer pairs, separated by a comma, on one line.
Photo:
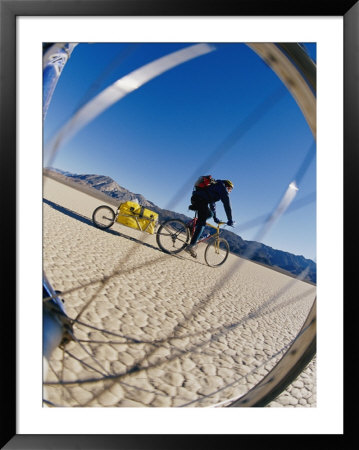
{"points": [[256, 404], [173, 236], [104, 213], [221, 257]]}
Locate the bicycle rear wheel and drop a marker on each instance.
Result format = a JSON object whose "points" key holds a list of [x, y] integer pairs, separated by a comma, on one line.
{"points": [[103, 217], [172, 236], [216, 252]]}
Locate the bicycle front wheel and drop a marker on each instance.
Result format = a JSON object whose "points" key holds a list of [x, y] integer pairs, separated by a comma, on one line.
{"points": [[216, 252], [172, 236], [103, 217]]}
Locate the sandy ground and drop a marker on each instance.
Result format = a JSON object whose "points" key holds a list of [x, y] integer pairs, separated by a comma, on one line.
{"points": [[155, 330]]}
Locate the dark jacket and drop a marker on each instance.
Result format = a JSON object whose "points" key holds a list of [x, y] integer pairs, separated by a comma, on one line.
{"points": [[212, 194]]}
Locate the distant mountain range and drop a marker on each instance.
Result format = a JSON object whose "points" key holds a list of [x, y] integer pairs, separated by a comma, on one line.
{"points": [[107, 189]]}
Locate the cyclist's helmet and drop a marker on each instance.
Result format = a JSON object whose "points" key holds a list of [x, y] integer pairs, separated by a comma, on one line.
{"points": [[228, 183]]}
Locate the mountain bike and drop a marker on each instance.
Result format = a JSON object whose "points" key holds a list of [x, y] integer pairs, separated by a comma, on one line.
{"points": [[174, 235]]}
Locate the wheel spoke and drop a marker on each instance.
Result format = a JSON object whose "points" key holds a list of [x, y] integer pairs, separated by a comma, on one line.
{"points": [[103, 217], [216, 252], [172, 236]]}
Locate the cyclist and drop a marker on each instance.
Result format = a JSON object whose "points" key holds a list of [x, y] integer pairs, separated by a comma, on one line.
{"points": [[203, 201]]}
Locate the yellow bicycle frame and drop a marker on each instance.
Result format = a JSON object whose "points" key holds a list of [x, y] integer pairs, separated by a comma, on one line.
{"points": [[216, 236]]}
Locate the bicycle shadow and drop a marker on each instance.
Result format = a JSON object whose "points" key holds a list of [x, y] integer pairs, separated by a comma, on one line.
{"points": [[89, 222]]}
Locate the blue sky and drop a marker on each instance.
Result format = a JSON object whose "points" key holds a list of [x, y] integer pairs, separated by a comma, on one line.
{"points": [[159, 136]]}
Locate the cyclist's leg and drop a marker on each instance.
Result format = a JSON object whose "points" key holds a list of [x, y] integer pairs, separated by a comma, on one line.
{"points": [[204, 213]]}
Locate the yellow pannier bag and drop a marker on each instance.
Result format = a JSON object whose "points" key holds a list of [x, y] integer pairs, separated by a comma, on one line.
{"points": [[136, 216]]}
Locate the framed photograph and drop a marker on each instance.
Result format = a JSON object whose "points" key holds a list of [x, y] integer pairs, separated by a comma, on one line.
{"points": [[185, 123]]}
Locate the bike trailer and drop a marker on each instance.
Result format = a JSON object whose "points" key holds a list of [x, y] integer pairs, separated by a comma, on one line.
{"points": [[136, 216]]}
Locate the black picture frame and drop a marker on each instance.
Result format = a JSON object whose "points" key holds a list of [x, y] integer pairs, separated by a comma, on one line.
{"points": [[10, 9]]}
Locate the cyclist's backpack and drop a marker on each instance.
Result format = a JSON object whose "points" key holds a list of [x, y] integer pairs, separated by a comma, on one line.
{"points": [[204, 181]]}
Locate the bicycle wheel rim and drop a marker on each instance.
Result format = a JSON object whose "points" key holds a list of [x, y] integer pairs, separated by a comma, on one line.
{"points": [[172, 236], [103, 217], [216, 252]]}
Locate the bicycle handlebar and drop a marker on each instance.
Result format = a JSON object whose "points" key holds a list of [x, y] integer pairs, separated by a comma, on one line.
{"points": [[219, 224]]}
